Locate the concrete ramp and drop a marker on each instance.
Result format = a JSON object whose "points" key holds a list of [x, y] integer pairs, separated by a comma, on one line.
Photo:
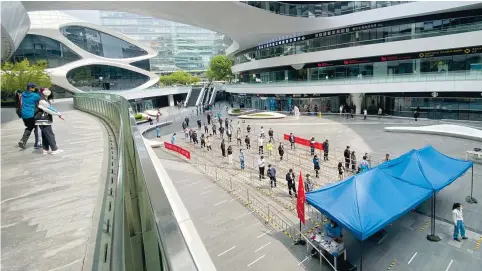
{"points": [[442, 129]]}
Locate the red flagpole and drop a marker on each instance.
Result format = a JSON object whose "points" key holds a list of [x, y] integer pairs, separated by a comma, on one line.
{"points": [[300, 203]]}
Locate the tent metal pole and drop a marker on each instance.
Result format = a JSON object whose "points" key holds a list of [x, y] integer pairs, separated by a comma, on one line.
{"points": [[432, 237], [470, 199], [361, 255]]}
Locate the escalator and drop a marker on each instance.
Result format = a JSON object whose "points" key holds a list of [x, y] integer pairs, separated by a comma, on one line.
{"points": [[204, 100], [193, 96]]}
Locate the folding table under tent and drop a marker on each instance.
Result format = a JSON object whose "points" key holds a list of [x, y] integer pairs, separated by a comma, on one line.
{"points": [[366, 203]]}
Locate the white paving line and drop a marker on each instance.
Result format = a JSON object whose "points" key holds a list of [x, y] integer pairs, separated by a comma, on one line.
{"points": [[221, 202], [193, 183], [262, 247], [411, 259], [208, 186], [243, 215], [256, 260], [205, 192], [181, 181], [231, 200], [450, 264], [257, 223], [226, 251], [263, 234]]}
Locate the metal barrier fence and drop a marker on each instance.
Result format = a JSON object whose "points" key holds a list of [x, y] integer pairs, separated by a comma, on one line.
{"points": [[269, 213], [139, 229]]}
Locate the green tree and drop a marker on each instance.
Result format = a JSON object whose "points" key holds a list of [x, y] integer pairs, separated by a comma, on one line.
{"points": [[195, 79], [178, 78], [219, 68], [16, 76]]}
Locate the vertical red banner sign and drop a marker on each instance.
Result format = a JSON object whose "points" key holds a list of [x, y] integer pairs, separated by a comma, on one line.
{"points": [[300, 202]]}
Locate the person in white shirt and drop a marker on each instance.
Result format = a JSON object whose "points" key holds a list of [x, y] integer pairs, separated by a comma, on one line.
{"points": [[458, 219], [365, 113], [261, 167], [261, 132], [260, 145]]}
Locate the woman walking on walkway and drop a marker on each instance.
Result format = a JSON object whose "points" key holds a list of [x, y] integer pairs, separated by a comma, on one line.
{"points": [[281, 151], [230, 155], [208, 143], [44, 119], [223, 148], [458, 218]]}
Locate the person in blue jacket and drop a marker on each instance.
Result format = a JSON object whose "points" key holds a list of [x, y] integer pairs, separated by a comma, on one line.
{"points": [[364, 165], [333, 230], [28, 108]]}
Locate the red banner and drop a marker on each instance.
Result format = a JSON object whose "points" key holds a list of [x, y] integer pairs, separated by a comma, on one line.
{"points": [[300, 202], [304, 142], [177, 149]]}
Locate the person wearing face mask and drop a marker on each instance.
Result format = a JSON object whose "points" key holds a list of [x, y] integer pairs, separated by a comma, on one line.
{"points": [[44, 119], [333, 230], [458, 219]]}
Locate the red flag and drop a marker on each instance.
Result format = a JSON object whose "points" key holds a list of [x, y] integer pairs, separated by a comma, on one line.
{"points": [[300, 203]]}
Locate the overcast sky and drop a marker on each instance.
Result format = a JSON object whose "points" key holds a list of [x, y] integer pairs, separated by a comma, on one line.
{"points": [[90, 16]]}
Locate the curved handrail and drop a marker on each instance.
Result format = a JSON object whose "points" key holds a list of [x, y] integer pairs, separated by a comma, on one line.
{"points": [[145, 233]]}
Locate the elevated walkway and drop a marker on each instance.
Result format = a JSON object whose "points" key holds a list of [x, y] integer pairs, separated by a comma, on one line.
{"points": [[49, 216], [442, 129]]}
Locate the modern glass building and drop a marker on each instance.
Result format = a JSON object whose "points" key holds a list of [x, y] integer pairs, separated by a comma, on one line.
{"points": [[179, 46]]}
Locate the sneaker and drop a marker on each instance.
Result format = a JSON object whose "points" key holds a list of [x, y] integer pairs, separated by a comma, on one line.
{"points": [[37, 146], [57, 151], [465, 238], [21, 144], [44, 152], [457, 239]]}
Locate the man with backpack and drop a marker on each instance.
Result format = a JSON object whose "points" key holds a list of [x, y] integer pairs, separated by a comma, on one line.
{"points": [[26, 107]]}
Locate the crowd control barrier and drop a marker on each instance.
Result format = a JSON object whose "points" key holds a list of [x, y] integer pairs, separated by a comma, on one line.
{"points": [[304, 142], [177, 149]]}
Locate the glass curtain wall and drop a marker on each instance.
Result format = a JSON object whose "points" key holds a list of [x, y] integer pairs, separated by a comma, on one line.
{"points": [[351, 37], [36, 48]]}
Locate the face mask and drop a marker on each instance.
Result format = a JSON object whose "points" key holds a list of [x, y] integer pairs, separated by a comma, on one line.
{"points": [[46, 93], [461, 208]]}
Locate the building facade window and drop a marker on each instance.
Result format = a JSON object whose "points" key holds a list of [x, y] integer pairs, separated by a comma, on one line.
{"points": [[100, 43], [35, 48], [104, 77]]}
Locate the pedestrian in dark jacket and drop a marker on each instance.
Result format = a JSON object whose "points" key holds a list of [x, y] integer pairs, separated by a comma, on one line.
{"points": [[221, 131], [214, 129], [247, 140], [194, 137], [292, 140], [203, 141], [199, 124], [223, 148], [44, 119], [281, 151], [230, 155], [206, 130], [28, 101], [226, 123], [326, 148], [209, 119], [271, 134], [290, 178], [312, 146], [187, 121], [272, 175], [316, 165], [229, 134], [347, 156], [353, 161]]}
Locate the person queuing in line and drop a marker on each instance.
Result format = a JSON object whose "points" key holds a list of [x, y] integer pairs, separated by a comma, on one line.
{"points": [[271, 134], [416, 114], [241, 158], [358, 170], [231, 124], [173, 139], [209, 119], [326, 148], [341, 170], [203, 141], [316, 165], [352, 113], [184, 125], [272, 175], [44, 119], [199, 124], [221, 131], [226, 123], [281, 151], [269, 148], [261, 167], [247, 140], [186, 134], [261, 132], [308, 184], [387, 157], [369, 160], [364, 164], [158, 132], [219, 115], [290, 178], [220, 121], [238, 138], [208, 143], [292, 141], [190, 135], [206, 129], [214, 129], [353, 161], [365, 114], [229, 133], [260, 145], [223, 148], [312, 146], [26, 106], [380, 112], [230, 155], [458, 219], [248, 129], [194, 137], [347, 155], [187, 121]]}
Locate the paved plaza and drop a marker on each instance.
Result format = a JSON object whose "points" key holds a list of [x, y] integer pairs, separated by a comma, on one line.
{"points": [[49, 216], [405, 247]]}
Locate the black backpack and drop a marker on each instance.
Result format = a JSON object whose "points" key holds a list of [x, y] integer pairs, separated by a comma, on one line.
{"points": [[18, 103]]}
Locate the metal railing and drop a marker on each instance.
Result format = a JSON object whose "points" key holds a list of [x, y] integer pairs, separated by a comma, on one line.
{"points": [[143, 233], [399, 78]]}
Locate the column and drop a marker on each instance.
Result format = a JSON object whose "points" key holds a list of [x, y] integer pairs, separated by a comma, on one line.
{"points": [[356, 99], [171, 99]]}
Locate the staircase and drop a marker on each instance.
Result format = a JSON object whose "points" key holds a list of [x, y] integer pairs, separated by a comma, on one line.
{"points": [[193, 96]]}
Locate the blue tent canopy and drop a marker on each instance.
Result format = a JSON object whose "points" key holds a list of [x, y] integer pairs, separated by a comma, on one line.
{"points": [[367, 202]]}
